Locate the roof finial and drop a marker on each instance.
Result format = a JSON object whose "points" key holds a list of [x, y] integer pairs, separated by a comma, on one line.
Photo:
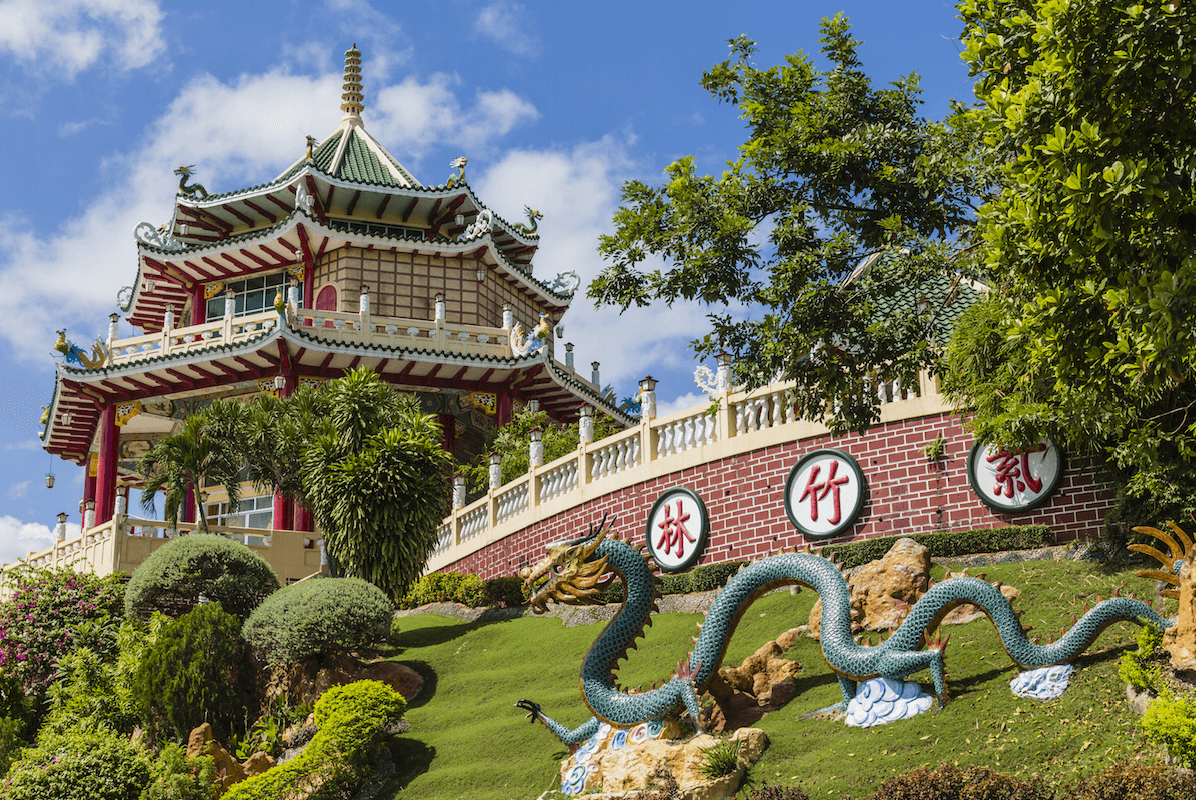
{"points": [[352, 105]]}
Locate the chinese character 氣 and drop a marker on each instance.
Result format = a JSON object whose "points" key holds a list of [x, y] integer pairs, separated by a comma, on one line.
{"points": [[1013, 469]]}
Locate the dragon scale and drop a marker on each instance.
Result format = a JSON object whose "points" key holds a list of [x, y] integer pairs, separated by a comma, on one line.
{"points": [[898, 656]]}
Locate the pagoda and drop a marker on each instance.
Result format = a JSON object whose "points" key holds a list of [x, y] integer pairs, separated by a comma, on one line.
{"points": [[344, 260]]}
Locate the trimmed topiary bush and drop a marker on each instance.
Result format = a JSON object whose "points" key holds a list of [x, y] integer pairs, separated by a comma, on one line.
{"points": [[192, 673], [947, 544], [351, 719], [318, 615], [97, 765], [176, 575]]}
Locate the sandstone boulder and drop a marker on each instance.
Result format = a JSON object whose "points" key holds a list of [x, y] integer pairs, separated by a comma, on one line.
{"points": [[765, 681], [305, 681], [201, 743], [1180, 639], [633, 768], [883, 591]]}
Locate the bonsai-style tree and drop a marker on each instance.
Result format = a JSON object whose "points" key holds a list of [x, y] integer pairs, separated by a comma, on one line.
{"points": [[204, 451]]}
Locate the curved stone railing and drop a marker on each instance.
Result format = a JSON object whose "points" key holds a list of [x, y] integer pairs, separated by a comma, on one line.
{"points": [[752, 420]]}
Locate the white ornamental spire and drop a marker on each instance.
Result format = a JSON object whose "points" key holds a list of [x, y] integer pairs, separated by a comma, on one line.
{"points": [[352, 97]]}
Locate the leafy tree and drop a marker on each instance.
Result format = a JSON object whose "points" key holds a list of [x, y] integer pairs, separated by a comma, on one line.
{"points": [[203, 451], [512, 444], [1088, 337], [374, 476], [273, 432], [833, 171]]}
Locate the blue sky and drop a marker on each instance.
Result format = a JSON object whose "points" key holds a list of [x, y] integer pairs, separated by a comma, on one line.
{"points": [[555, 104]]}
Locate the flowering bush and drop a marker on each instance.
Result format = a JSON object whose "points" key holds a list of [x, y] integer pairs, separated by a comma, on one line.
{"points": [[98, 765], [36, 624]]}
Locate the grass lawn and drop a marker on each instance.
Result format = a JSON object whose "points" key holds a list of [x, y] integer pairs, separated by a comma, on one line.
{"points": [[467, 739]]}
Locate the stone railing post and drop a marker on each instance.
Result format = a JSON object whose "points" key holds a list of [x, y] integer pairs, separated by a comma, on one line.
{"points": [[726, 416], [585, 437], [440, 318], [113, 329], [595, 377], [363, 313], [647, 415], [458, 492], [569, 356], [495, 485]]}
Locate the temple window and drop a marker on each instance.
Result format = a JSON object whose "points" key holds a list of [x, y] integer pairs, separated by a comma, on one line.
{"points": [[252, 512], [253, 295]]}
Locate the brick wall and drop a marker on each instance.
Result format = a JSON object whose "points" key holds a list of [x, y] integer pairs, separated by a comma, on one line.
{"points": [[745, 498]]}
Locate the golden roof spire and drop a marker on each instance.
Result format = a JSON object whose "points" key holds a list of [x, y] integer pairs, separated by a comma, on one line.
{"points": [[352, 105]]}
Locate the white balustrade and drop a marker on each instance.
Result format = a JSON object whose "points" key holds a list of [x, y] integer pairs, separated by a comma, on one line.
{"points": [[615, 457], [444, 538], [511, 502], [683, 434], [473, 522], [558, 480]]}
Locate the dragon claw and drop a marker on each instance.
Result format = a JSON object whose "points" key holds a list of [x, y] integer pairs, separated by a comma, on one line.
{"points": [[532, 708]]}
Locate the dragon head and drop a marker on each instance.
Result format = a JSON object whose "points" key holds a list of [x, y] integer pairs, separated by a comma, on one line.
{"points": [[185, 171], [574, 575]]}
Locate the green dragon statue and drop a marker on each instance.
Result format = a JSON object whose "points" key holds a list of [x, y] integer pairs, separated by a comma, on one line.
{"points": [[196, 188], [533, 217], [576, 572]]}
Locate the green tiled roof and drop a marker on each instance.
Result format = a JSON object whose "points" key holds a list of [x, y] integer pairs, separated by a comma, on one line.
{"points": [[322, 156], [948, 298], [362, 164]]}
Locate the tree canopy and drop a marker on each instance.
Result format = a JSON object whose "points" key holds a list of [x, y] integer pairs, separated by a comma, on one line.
{"points": [[375, 477], [833, 171], [1088, 335]]}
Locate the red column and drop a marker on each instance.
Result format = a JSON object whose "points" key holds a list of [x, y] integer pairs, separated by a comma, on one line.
{"points": [[199, 305], [302, 520], [282, 513], [448, 433], [106, 472], [189, 505], [89, 484], [504, 407], [309, 284]]}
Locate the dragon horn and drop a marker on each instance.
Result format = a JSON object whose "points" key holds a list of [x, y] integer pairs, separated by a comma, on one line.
{"points": [[1183, 536]]}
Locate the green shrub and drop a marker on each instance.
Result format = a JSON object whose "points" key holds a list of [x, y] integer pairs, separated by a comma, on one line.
{"points": [[1171, 721], [316, 616], [176, 777], [351, 719], [438, 587], [471, 591], [946, 545], [713, 576], [766, 792], [37, 623], [97, 765], [1136, 667], [674, 583], [506, 591], [949, 782], [1134, 782], [12, 731], [176, 575], [192, 673]]}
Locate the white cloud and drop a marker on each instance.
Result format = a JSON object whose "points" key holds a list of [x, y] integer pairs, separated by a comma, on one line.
{"points": [[683, 402], [237, 134], [65, 37], [414, 115], [18, 490], [506, 25], [28, 444], [18, 539], [578, 192]]}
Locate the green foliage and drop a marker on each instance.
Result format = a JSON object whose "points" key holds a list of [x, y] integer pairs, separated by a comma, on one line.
{"points": [[512, 443], [374, 477], [176, 777], [947, 544], [949, 782], [205, 653], [317, 616], [719, 760], [468, 590], [1142, 668], [775, 792], [203, 452], [178, 573], [11, 739], [1170, 720], [1087, 338], [834, 171], [713, 576], [97, 765], [1126, 781], [351, 719], [37, 623]]}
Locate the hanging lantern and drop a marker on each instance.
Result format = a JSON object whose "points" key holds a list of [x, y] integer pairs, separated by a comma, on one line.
{"points": [[49, 480]]}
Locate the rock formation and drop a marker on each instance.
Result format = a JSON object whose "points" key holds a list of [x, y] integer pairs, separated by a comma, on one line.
{"points": [[201, 743], [883, 591], [764, 682]]}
